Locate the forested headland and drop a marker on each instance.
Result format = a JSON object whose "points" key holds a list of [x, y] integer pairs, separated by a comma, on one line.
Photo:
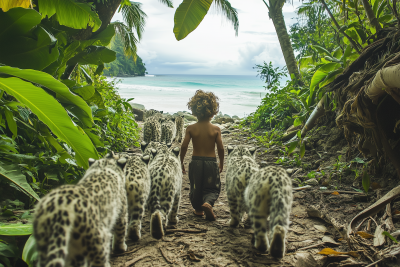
{"points": [[124, 66]]}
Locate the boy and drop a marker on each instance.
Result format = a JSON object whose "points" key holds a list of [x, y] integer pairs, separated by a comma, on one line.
{"points": [[205, 184]]}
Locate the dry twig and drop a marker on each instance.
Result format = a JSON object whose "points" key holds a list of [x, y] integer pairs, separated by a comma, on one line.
{"points": [[165, 256], [129, 263]]}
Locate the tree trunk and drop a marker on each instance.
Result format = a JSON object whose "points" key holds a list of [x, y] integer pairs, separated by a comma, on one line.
{"points": [[275, 13], [371, 16]]}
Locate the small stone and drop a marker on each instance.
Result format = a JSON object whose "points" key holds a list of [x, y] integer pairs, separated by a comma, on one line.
{"points": [[330, 240], [298, 195], [320, 228], [263, 163], [312, 182], [289, 171]]}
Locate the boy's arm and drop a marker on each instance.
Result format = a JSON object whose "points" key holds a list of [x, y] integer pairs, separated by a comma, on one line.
{"points": [[220, 149], [184, 147]]}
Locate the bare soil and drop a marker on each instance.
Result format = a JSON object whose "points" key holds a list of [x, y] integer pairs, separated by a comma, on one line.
{"points": [[217, 244]]}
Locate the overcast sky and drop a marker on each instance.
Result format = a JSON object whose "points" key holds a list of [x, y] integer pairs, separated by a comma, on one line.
{"points": [[212, 48]]}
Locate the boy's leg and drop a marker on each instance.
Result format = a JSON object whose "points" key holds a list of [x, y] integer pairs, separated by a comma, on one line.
{"points": [[196, 184], [211, 188]]}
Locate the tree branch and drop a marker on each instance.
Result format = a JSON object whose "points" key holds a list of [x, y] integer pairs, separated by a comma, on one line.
{"points": [[352, 42]]}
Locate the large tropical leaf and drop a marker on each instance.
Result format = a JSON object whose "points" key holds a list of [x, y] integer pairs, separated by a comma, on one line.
{"points": [[13, 174], [71, 13], [53, 115], [321, 73], [63, 94], [17, 21], [8, 4], [27, 52], [30, 253], [188, 16], [105, 36], [16, 229], [93, 55]]}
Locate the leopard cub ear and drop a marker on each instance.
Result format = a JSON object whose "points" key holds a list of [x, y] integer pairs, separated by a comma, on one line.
{"points": [[154, 152], [146, 159], [252, 150], [230, 149], [176, 151], [121, 162], [169, 145], [91, 161], [143, 145]]}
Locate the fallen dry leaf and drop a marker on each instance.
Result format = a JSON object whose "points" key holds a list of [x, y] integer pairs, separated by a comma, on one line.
{"points": [[379, 238], [335, 193], [329, 251], [396, 212], [320, 228], [364, 234], [375, 185], [193, 257]]}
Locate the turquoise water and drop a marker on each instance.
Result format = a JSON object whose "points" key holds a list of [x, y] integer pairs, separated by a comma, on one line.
{"points": [[239, 95]]}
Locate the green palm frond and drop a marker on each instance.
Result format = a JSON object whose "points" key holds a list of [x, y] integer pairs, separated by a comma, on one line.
{"points": [[230, 12], [128, 39], [134, 17], [168, 3]]}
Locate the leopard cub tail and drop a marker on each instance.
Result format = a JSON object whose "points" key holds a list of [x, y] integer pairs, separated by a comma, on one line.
{"points": [[277, 247], [156, 225]]}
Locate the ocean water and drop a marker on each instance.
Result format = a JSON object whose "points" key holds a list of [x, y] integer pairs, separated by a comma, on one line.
{"points": [[239, 95]]}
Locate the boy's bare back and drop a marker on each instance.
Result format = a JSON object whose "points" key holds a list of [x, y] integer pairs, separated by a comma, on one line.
{"points": [[204, 136]]}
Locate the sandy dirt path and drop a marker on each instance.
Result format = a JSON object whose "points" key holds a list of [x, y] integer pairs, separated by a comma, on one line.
{"points": [[217, 244]]}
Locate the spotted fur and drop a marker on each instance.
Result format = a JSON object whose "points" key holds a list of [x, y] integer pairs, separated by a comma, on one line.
{"points": [[151, 112], [152, 128], [168, 131], [241, 165], [269, 193], [73, 224], [166, 182], [138, 184], [179, 122]]}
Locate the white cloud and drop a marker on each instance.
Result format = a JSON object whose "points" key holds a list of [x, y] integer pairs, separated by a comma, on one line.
{"points": [[213, 47]]}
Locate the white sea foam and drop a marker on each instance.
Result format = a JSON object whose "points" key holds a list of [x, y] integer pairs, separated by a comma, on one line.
{"points": [[239, 95]]}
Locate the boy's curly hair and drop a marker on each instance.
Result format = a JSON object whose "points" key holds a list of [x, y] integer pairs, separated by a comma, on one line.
{"points": [[204, 104]]}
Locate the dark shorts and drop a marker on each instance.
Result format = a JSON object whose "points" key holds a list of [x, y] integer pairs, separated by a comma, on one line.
{"points": [[205, 184]]}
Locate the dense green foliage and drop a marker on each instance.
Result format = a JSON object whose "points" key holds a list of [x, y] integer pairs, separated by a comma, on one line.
{"points": [[124, 65], [50, 124], [324, 51]]}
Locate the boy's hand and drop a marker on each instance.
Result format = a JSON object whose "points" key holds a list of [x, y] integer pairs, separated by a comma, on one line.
{"points": [[183, 169], [221, 167]]}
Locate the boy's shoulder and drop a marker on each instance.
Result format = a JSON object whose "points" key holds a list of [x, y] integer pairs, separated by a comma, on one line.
{"points": [[215, 127]]}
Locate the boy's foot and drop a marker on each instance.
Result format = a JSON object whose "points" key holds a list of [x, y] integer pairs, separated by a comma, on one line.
{"points": [[208, 210], [198, 213]]}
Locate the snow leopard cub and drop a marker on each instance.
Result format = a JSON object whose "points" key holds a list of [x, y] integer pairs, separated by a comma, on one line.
{"points": [[138, 184], [168, 130], [152, 128], [241, 165], [269, 193], [73, 224], [166, 182], [179, 122]]}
